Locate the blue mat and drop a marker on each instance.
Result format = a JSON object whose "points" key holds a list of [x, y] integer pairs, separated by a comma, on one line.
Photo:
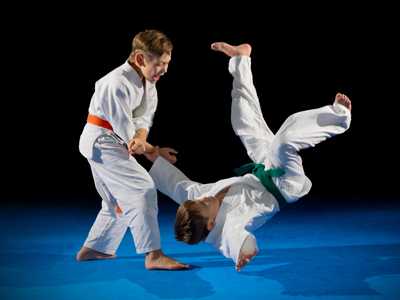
{"points": [[330, 248]]}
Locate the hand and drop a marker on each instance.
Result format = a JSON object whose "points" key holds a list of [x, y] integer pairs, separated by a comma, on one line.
{"points": [[247, 253], [166, 154], [137, 146], [245, 259]]}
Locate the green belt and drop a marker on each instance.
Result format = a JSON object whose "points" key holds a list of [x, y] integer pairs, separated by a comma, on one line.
{"points": [[265, 178]]}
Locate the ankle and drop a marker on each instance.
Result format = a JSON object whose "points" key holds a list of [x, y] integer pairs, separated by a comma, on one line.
{"points": [[153, 255]]}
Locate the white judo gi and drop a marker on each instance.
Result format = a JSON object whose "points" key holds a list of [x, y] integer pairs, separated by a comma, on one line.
{"points": [[121, 99], [248, 204]]}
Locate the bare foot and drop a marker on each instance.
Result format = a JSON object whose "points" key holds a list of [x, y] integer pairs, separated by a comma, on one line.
{"points": [[344, 100], [231, 51], [89, 254], [157, 260]]}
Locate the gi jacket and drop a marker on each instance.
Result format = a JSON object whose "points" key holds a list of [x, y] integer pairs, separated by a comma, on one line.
{"points": [[121, 99]]}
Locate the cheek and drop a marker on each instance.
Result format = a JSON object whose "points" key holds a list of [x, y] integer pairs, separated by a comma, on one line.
{"points": [[152, 71], [149, 71], [158, 70]]}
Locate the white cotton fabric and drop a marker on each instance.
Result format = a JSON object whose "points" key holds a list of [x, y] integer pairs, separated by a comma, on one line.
{"points": [[121, 99]]}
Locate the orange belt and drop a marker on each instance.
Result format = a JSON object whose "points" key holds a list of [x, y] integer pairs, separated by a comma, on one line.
{"points": [[105, 124], [99, 122]]}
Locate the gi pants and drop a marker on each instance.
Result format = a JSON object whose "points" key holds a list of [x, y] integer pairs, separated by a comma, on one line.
{"points": [[121, 180], [300, 131]]}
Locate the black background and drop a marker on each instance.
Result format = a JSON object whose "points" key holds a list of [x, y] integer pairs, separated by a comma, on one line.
{"points": [[302, 56]]}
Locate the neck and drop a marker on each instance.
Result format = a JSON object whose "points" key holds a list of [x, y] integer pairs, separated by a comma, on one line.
{"points": [[138, 70], [221, 195]]}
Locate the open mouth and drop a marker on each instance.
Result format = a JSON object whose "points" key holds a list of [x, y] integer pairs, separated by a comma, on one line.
{"points": [[156, 78]]}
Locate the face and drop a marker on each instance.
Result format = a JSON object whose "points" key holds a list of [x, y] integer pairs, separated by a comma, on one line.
{"points": [[158, 66], [209, 207]]}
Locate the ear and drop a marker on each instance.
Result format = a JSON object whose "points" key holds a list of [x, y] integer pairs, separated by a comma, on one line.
{"points": [[211, 225], [140, 59]]}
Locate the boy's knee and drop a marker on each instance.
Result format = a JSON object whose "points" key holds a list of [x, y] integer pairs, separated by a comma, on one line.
{"points": [[151, 191]]}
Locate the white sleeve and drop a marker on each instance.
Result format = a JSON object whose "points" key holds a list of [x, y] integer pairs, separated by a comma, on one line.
{"points": [[117, 111], [232, 237], [146, 121], [172, 182]]}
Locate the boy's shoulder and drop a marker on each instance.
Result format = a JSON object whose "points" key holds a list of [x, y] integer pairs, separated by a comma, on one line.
{"points": [[122, 78]]}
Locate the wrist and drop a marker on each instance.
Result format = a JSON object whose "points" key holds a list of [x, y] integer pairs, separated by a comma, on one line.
{"points": [[150, 149], [141, 134]]}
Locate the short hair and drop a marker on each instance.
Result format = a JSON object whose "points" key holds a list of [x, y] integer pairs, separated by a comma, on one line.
{"points": [[190, 225], [150, 43]]}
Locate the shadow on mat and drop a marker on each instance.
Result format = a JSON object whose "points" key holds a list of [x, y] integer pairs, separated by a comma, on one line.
{"points": [[318, 271], [24, 270], [328, 271]]}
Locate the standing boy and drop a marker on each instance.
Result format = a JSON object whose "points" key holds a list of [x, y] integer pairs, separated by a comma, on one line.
{"points": [[226, 212], [120, 116]]}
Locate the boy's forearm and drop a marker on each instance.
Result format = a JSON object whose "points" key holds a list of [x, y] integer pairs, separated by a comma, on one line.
{"points": [[150, 148], [141, 134]]}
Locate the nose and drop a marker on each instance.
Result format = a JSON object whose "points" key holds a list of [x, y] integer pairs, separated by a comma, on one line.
{"points": [[205, 199]]}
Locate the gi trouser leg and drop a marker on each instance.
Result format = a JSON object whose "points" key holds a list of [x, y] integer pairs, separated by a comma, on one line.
{"points": [[300, 131], [109, 228], [120, 180]]}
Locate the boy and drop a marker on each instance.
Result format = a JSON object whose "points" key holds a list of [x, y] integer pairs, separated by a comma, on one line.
{"points": [[120, 115], [226, 212]]}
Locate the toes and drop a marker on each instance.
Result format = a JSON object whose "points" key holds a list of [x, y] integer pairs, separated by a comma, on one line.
{"points": [[217, 46], [182, 267], [344, 100]]}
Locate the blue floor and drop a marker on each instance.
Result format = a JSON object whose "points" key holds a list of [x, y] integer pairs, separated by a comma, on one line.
{"points": [[319, 247]]}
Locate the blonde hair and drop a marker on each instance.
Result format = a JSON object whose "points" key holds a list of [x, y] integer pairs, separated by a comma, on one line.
{"points": [[190, 225], [150, 43]]}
